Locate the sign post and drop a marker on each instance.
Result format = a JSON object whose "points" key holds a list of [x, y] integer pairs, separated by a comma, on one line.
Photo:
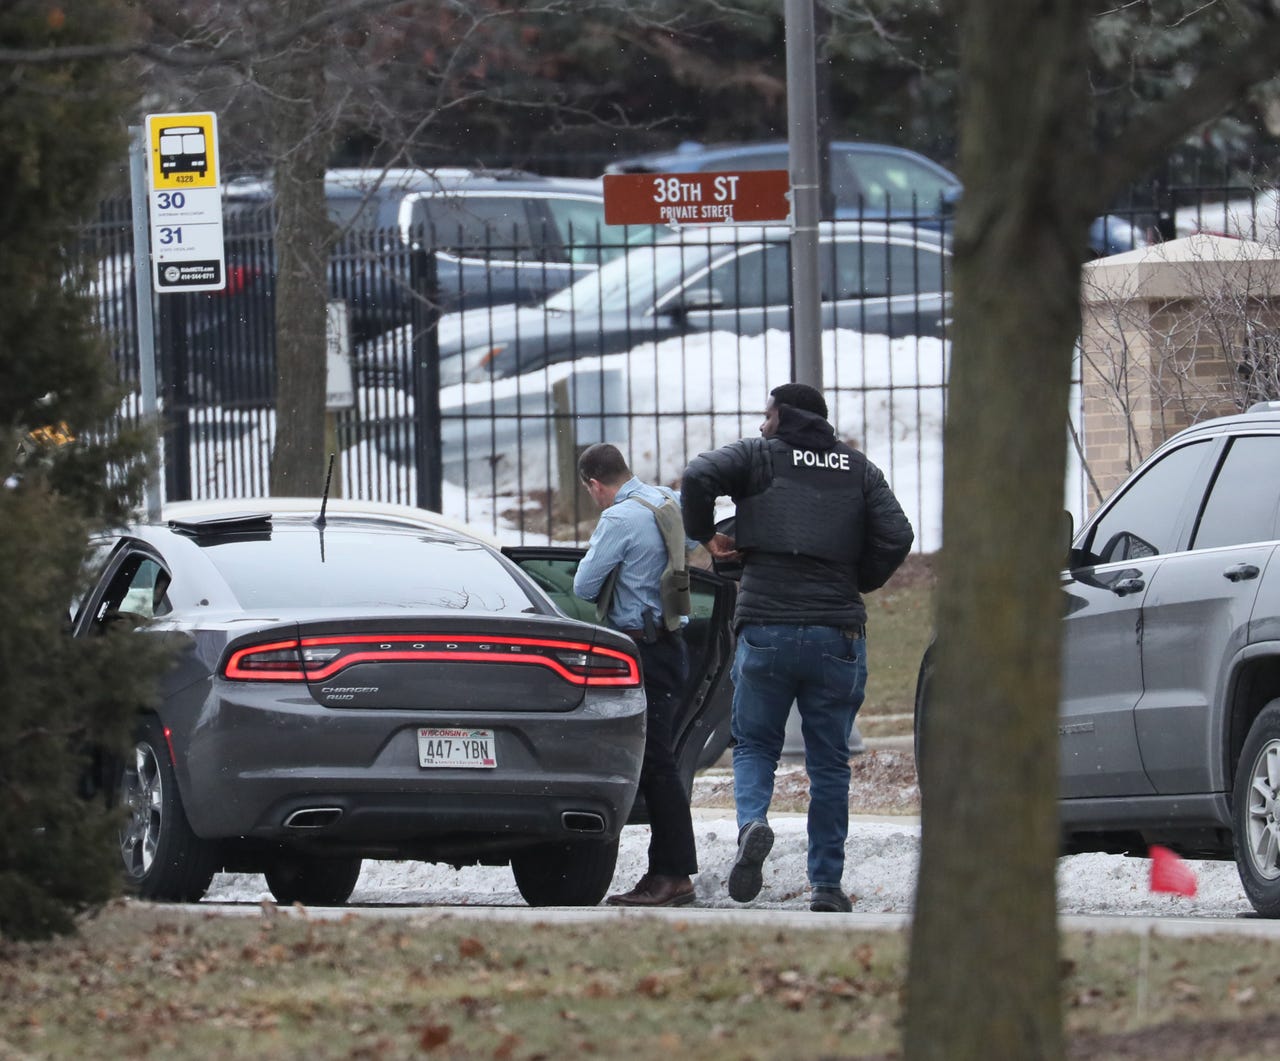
{"points": [[143, 299], [802, 140], [751, 197], [185, 201]]}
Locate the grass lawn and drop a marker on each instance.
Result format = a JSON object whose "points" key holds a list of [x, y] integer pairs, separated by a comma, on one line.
{"points": [[899, 624], [145, 981]]}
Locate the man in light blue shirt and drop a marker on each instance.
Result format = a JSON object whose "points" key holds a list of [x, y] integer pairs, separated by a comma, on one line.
{"points": [[628, 539]]}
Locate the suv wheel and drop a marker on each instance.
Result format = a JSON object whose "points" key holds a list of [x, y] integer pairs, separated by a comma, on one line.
{"points": [[576, 873], [1256, 812]]}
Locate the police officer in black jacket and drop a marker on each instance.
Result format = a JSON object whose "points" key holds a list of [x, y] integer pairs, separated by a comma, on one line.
{"points": [[816, 527]]}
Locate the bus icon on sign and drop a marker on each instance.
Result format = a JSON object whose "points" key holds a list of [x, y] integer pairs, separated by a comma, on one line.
{"points": [[183, 150]]}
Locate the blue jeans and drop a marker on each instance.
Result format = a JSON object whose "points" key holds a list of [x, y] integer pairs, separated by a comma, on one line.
{"points": [[824, 672]]}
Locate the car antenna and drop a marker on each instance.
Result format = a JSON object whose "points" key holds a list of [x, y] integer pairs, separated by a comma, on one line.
{"points": [[324, 500], [324, 503]]}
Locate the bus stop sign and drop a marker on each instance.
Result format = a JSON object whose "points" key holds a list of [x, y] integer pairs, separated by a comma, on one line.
{"points": [[750, 197], [184, 193]]}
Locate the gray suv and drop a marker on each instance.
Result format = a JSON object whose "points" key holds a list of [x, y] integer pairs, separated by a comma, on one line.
{"points": [[1170, 704]]}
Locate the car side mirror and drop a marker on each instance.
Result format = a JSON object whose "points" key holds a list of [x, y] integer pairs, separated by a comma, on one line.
{"points": [[1125, 545], [700, 298]]}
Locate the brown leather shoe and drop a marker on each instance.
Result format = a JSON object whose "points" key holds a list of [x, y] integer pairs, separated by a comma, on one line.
{"points": [[653, 889]]}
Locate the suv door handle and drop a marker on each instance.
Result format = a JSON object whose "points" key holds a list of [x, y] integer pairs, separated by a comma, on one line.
{"points": [[1128, 585], [1241, 572]]}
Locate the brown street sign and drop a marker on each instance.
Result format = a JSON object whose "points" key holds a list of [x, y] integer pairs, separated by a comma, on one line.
{"points": [[753, 196]]}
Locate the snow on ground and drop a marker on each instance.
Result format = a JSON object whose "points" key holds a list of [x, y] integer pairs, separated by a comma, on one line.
{"points": [[880, 875]]}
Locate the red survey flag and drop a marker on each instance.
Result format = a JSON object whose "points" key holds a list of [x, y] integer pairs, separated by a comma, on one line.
{"points": [[1170, 873]]}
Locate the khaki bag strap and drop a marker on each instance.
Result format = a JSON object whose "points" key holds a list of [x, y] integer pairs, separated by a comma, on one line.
{"points": [[676, 601]]}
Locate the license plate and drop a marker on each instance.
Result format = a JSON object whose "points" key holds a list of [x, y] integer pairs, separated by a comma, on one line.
{"points": [[468, 748]]}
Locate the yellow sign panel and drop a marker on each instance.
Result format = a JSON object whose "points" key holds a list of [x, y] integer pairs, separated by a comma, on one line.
{"points": [[184, 150]]}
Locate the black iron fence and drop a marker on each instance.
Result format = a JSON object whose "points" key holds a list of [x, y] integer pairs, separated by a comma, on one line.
{"points": [[479, 410]]}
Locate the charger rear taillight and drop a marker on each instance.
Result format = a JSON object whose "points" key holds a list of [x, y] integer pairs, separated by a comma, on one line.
{"points": [[317, 659], [278, 661]]}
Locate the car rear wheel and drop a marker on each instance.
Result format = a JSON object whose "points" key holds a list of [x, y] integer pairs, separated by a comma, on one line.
{"points": [[163, 859], [576, 873], [312, 881], [1256, 812]]}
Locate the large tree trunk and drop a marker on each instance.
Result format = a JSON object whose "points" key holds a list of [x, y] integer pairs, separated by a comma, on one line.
{"points": [[302, 142], [984, 976]]}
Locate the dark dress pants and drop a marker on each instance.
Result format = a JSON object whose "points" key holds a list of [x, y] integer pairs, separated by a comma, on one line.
{"points": [[671, 848]]}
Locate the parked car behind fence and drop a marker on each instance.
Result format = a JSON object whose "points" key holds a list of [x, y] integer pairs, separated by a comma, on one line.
{"points": [[876, 278]]}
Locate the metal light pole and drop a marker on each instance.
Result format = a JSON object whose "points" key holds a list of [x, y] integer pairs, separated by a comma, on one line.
{"points": [[143, 304], [802, 123]]}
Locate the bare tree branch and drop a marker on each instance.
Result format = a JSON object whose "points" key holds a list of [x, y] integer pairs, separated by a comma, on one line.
{"points": [[186, 55], [1218, 85]]}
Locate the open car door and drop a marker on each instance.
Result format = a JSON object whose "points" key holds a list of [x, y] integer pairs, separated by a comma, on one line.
{"points": [[702, 723]]}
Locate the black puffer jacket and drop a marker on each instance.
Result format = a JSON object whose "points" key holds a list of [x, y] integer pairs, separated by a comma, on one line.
{"points": [[781, 582]]}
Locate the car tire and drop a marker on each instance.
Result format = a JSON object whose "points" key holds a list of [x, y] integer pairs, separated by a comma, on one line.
{"points": [[312, 880], [163, 858], [576, 873], [1255, 812]]}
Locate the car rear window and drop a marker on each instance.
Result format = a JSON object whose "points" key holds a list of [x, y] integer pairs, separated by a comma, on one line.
{"points": [[496, 226], [341, 567]]}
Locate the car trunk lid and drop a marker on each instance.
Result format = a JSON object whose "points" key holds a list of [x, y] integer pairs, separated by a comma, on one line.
{"points": [[432, 663]]}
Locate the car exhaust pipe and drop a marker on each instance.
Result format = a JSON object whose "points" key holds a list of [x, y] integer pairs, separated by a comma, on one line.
{"points": [[582, 821], [313, 818]]}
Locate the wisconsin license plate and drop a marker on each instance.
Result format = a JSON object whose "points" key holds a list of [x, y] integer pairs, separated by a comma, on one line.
{"points": [[469, 748]]}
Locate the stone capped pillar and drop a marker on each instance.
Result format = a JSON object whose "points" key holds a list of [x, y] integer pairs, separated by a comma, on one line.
{"points": [[1170, 335]]}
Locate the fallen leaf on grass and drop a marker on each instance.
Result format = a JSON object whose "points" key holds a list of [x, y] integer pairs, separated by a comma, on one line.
{"points": [[434, 1035], [468, 947], [506, 1049], [652, 986]]}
